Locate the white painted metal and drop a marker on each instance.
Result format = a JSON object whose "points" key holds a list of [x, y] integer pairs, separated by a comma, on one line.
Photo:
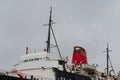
{"points": [[39, 65]]}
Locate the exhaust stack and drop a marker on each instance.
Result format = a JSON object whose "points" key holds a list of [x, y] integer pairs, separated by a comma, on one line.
{"points": [[79, 56]]}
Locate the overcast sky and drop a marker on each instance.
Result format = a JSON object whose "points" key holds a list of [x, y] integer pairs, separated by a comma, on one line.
{"points": [[87, 23]]}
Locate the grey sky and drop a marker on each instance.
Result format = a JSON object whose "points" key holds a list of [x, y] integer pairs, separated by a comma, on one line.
{"points": [[87, 23]]}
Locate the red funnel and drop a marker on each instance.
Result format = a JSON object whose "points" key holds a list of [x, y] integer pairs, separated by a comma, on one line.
{"points": [[79, 56]]}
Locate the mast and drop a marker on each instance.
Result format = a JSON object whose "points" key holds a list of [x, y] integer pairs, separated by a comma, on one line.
{"points": [[109, 61], [107, 50], [50, 29]]}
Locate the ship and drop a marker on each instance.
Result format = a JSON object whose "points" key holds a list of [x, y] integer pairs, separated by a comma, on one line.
{"points": [[46, 66]]}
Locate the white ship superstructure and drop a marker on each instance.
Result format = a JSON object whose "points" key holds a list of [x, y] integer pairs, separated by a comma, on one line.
{"points": [[39, 65]]}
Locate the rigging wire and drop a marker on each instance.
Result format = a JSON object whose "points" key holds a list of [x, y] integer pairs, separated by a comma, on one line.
{"points": [[111, 64], [56, 43]]}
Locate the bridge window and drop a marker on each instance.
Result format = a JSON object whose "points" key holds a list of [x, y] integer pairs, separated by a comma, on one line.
{"points": [[25, 60], [31, 59], [35, 59]]}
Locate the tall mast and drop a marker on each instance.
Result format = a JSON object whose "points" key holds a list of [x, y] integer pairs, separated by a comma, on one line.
{"points": [[107, 50], [109, 61], [49, 29]]}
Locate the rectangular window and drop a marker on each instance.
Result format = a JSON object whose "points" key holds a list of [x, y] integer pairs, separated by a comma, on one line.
{"points": [[36, 59], [31, 59]]}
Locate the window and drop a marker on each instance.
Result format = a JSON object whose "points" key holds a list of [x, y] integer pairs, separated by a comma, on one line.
{"points": [[36, 59], [31, 59], [25, 60]]}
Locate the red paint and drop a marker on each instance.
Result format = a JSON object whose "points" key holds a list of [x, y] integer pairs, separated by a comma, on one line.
{"points": [[79, 59], [79, 56], [20, 75]]}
